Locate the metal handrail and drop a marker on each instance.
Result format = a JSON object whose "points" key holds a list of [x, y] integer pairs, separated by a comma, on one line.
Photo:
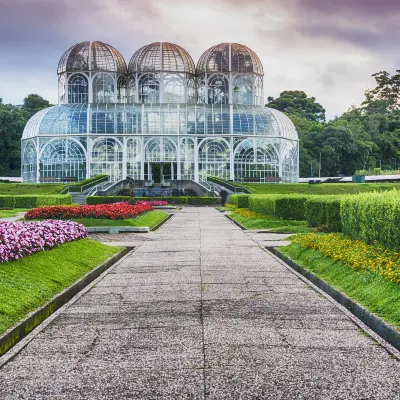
{"points": [[87, 185]]}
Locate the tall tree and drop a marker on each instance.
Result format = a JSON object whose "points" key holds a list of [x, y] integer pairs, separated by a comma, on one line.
{"points": [[34, 103], [297, 103]]}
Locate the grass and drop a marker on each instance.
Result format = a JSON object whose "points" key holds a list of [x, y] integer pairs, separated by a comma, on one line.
{"points": [[31, 188], [274, 224], [29, 283], [324, 188], [375, 293], [12, 213], [150, 219]]}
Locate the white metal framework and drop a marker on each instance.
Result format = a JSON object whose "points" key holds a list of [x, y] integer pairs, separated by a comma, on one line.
{"points": [[163, 111]]}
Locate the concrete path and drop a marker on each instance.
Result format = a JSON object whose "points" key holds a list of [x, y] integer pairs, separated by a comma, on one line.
{"points": [[201, 312]]}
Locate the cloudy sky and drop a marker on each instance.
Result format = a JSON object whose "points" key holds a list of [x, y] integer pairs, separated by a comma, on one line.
{"points": [[328, 48]]}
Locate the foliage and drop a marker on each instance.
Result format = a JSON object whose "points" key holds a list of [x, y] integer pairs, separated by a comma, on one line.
{"points": [[30, 282], [377, 294], [12, 122], [297, 103], [21, 239], [29, 201], [243, 201], [106, 211], [287, 207], [354, 253], [373, 217], [324, 211]]}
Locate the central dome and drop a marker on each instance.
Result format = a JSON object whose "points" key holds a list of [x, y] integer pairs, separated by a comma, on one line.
{"points": [[161, 56], [92, 56]]}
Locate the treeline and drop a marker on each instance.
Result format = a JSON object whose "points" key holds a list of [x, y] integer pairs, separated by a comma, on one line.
{"points": [[364, 138], [12, 122]]}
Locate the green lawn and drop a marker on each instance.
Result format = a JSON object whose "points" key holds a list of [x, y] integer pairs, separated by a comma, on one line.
{"points": [[324, 188], [31, 188], [375, 293], [28, 283], [150, 219], [12, 213], [274, 224]]}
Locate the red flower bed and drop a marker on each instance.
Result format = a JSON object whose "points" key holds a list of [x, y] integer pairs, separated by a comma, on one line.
{"points": [[99, 211]]}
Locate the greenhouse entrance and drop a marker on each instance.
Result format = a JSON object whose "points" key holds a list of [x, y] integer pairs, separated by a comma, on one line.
{"points": [[161, 172]]}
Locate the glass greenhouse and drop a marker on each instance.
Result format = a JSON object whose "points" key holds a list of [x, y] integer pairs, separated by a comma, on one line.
{"points": [[160, 112]]}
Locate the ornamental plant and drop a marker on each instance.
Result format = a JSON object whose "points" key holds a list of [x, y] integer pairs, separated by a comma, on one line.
{"points": [[21, 239], [99, 211], [355, 253]]}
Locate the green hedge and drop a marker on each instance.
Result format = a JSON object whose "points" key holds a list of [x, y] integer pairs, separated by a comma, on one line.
{"points": [[291, 207], [170, 199], [32, 201], [263, 203], [324, 211], [373, 217], [243, 201]]}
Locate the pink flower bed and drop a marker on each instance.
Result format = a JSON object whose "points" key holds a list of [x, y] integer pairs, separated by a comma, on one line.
{"points": [[21, 239], [154, 203]]}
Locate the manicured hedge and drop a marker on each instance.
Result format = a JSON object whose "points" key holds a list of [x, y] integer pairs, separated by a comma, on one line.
{"points": [[263, 203], [31, 201], [373, 217], [243, 201], [324, 211], [170, 199], [291, 207]]}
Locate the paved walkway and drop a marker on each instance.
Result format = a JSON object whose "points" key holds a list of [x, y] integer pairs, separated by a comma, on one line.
{"points": [[201, 312]]}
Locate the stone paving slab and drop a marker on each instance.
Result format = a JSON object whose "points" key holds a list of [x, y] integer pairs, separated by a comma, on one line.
{"points": [[200, 311]]}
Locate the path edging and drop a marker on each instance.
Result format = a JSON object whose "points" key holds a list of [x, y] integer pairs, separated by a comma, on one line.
{"points": [[236, 223], [160, 224], [384, 330], [17, 332]]}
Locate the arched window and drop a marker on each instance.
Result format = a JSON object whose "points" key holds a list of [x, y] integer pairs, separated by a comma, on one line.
{"points": [[103, 88], [29, 162], [132, 90], [242, 90], [149, 88], [121, 89], [259, 89], [61, 89], [61, 159], [78, 89], [107, 156], [191, 91], [174, 89], [214, 158], [218, 90], [201, 89]]}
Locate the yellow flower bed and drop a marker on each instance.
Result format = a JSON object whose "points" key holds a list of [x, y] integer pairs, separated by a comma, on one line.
{"points": [[245, 212], [354, 253]]}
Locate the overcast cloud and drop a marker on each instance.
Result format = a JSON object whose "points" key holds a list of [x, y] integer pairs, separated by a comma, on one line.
{"points": [[328, 48]]}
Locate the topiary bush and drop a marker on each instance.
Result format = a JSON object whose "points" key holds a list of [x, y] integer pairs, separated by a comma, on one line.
{"points": [[324, 211], [31, 201], [373, 217], [243, 201], [291, 207]]}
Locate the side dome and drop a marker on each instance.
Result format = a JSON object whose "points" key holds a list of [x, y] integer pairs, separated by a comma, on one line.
{"points": [[229, 57], [161, 56], [92, 56]]}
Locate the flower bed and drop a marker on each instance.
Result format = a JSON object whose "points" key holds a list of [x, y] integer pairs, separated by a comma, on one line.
{"points": [[99, 211], [153, 203], [354, 253], [20, 239]]}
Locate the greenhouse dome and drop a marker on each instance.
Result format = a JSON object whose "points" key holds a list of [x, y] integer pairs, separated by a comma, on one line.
{"points": [[160, 112]]}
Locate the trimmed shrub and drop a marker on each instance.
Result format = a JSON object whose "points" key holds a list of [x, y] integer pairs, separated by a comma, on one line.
{"points": [[7, 202], [373, 217], [243, 201], [291, 207], [263, 203], [93, 200], [324, 211], [203, 201]]}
